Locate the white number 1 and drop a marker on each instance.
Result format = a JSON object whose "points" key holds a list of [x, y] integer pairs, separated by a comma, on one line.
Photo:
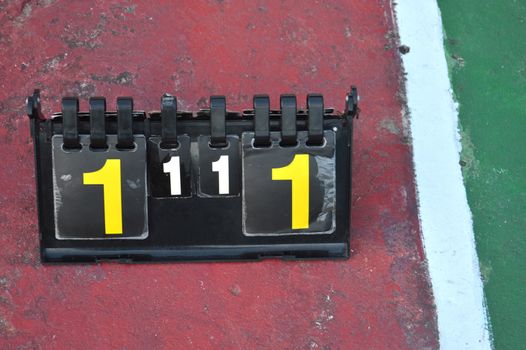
{"points": [[220, 166], [173, 168]]}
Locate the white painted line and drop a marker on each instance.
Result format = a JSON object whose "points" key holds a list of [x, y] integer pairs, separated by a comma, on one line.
{"points": [[445, 217]]}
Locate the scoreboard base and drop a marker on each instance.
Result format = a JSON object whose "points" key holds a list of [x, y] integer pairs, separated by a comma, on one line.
{"points": [[200, 253]]}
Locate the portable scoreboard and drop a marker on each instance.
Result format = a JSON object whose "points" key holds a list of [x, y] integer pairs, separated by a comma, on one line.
{"points": [[172, 185]]}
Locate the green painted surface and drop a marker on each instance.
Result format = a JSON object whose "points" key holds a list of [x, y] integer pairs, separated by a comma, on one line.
{"points": [[486, 48]]}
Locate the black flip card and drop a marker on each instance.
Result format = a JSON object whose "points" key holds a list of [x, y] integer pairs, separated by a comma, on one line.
{"points": [[218, 168], [289, 190], [169, 169], [100, 194]]}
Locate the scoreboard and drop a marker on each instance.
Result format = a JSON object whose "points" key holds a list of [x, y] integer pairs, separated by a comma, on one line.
{"points": [[172, 185]]}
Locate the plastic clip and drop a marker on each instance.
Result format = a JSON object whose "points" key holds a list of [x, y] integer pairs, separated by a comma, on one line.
{"points": [[125, 122], [315, 121], [70, 132], [218, 121], [169, 121], [261, 121], [288, 120], [97, 115]]}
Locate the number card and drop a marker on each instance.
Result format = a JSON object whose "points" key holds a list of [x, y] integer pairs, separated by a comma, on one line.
{"points": [[100, 194], [219, 168], [296, 192], [170, 168], [170, 185]]}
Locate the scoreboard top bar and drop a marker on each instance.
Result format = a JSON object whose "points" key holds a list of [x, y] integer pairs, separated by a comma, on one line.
{"points": [[173, 185], [169, 103]]}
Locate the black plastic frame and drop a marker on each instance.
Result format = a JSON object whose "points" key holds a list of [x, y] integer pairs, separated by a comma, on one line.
{"points": [[198, 238]]}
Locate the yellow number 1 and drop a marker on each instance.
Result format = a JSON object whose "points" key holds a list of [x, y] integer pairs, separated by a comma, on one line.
{"points": [[109, 176], [298, 172]]}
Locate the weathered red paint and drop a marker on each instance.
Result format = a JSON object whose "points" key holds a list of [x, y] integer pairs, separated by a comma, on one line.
{"points": [[379, 299]]}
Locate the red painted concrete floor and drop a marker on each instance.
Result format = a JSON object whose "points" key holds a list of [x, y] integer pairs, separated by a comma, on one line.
{"points": [[379, 299]]}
